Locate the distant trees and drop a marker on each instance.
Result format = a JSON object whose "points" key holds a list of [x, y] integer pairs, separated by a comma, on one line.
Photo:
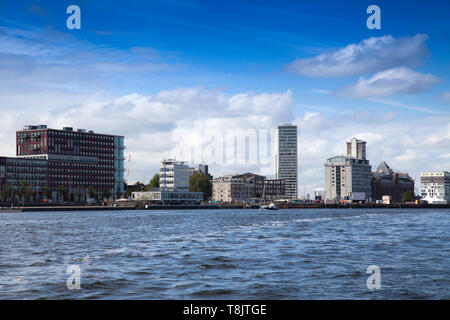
{"points": [[26, 191], [46, 192], [408, 196], [134, 188], [61, 191], [91, 192], [6, 192], [78, 193], [106, 195], [153, 184], [199, 182]]}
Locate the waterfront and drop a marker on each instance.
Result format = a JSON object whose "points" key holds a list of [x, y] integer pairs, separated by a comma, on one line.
{"points": [[226, 254]]}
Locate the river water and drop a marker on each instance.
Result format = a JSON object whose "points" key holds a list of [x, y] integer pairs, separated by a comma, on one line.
{"points": [[226, 254]]}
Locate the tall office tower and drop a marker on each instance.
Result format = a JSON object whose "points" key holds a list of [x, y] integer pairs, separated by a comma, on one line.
{"points": [[356, 149], [286, 159], [173, 175], [77, 160]]}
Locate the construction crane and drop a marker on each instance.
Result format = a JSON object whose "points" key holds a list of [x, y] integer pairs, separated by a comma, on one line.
{"points": [[128, 170]]}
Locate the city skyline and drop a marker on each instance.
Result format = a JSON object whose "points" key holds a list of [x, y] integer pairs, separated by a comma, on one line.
{"points": [[145, 75], [344, 175], [216, 157]]}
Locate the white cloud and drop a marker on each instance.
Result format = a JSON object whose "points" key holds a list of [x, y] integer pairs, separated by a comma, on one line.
{"points": [[407, 157], [389, 82], [405, 106], [446, 96], [149, 122], [370, 55]]}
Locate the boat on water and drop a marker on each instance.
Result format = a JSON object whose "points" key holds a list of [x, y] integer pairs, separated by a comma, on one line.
{"points": [[271, 206]]}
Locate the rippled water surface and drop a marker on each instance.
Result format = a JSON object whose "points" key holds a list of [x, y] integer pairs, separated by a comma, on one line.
{"points": [[226, 254]]}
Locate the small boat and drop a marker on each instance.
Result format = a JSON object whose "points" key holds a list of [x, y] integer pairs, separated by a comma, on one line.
{"points": [[271, 206]]}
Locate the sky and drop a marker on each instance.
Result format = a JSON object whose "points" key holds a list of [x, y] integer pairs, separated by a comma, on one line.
{"points": [[154, 71]]}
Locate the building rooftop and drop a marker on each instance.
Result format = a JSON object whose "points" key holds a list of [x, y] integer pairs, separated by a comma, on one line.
{"points": [[66, 129], [384, 168]]}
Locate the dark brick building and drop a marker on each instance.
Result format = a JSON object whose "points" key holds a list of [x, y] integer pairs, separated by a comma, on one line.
{"points": [[267, 189], [75, 161], [386, 182]]}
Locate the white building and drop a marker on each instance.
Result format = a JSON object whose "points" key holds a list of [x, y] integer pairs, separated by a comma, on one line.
{"points": [[286, 158], [435, 187], [173, 175]]}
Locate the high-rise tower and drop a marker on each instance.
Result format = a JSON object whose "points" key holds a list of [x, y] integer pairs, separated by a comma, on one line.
{"points": [[286, 159]]}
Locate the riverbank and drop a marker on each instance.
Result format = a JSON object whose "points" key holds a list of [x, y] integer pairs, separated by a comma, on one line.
{"points": [[223, 207]]}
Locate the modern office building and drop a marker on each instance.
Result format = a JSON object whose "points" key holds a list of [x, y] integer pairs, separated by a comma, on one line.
{"points": [[78, 160], [173, 186], [386, 182], [173, 175], [286, 158], [169, 197], [346, 176], [435, 187], [18, 173]]}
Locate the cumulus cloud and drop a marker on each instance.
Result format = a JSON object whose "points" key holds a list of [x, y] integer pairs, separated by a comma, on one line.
{"points": [[389, 82], [150, 123], [370, 55]]}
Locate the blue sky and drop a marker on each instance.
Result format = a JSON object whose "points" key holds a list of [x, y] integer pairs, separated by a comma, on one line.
{"points": [[316, 57]]}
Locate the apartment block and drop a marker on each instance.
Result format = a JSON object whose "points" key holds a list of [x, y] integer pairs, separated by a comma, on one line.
{"points": [[348, 175], [173, 175], [435, 187], [231, 189]]}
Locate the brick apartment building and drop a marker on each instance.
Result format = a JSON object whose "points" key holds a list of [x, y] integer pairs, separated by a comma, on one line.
{"points": [[386, 182], [247, 186]]}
